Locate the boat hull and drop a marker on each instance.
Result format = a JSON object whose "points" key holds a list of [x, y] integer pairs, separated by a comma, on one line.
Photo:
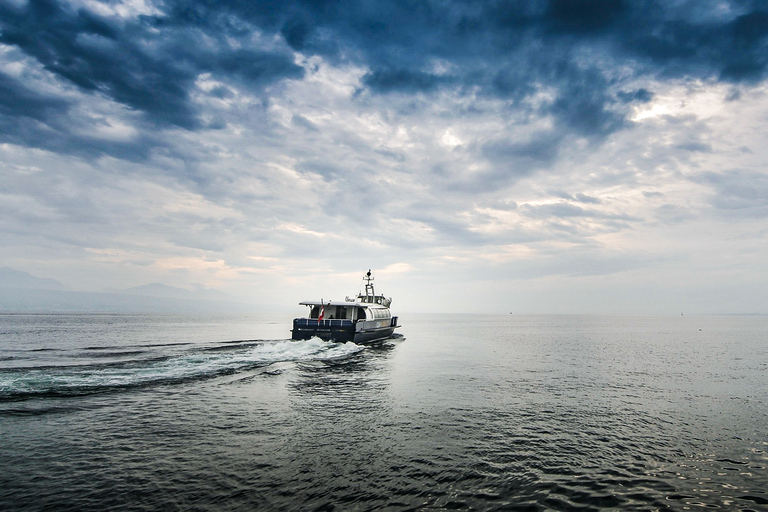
{"points": [[342, 331]]}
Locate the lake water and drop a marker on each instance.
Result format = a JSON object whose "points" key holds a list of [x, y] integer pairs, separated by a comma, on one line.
{"points": [[171, 412]]}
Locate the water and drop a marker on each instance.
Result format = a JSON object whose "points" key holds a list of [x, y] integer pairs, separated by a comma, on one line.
{"points": [[141, 412]]}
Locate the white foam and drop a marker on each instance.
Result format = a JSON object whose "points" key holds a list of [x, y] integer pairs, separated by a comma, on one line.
{"points": [[191, 364], [310, 349]]}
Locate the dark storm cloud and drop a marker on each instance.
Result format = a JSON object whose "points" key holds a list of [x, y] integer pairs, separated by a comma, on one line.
{"points": [[96, 55], [403, 80], [148, 64], [512, 51], [510, 48], [506, 50], [732, 50], [583, 16], [18, 100], [33, 118]]}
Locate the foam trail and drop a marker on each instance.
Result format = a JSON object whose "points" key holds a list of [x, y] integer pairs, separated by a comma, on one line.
{"points": [[197, 363]]}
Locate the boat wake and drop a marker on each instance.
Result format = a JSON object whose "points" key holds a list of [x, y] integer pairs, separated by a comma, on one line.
{"points": [[133, 367]]}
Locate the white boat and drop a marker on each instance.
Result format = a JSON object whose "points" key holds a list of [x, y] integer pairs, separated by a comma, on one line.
{"points": [[365, 319]]}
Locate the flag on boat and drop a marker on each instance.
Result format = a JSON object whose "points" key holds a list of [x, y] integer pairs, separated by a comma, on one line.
{"points": [[322, 312]]}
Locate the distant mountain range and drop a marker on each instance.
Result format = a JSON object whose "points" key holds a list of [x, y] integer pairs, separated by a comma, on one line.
{"points": [[21, 291], [17, 279]]}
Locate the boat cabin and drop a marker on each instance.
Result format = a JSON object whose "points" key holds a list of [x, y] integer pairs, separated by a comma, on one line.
{"points": [[365, 318], [354, 311]]}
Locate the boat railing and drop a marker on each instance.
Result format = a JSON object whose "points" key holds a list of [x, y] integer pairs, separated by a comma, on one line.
{"points": [[314, 322]]}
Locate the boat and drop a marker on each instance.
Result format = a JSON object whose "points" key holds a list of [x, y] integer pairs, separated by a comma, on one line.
{"points": [[364, 319]]}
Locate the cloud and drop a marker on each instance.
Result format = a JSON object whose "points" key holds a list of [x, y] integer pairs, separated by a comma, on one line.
{"points": [[150, 63], [147, 64], [283, 139], [88, 51], [588, 17], [738, 192], [403, 80], [20, 101]]}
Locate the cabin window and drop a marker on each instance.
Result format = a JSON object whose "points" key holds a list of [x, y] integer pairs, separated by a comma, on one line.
{"points": [[315, 312], [381, 313]]}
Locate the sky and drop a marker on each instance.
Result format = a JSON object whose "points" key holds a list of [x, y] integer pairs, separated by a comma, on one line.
{"points": [[537, 156]]}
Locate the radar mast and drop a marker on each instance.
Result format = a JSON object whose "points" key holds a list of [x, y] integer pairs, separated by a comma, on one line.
{"points": [[370, 294]]}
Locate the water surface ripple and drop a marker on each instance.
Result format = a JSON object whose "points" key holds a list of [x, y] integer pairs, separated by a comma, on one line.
{"points": [[139, 412]]}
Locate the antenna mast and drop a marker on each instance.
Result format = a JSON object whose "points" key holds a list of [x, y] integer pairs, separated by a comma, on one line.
{"points": [[369, 293]]}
